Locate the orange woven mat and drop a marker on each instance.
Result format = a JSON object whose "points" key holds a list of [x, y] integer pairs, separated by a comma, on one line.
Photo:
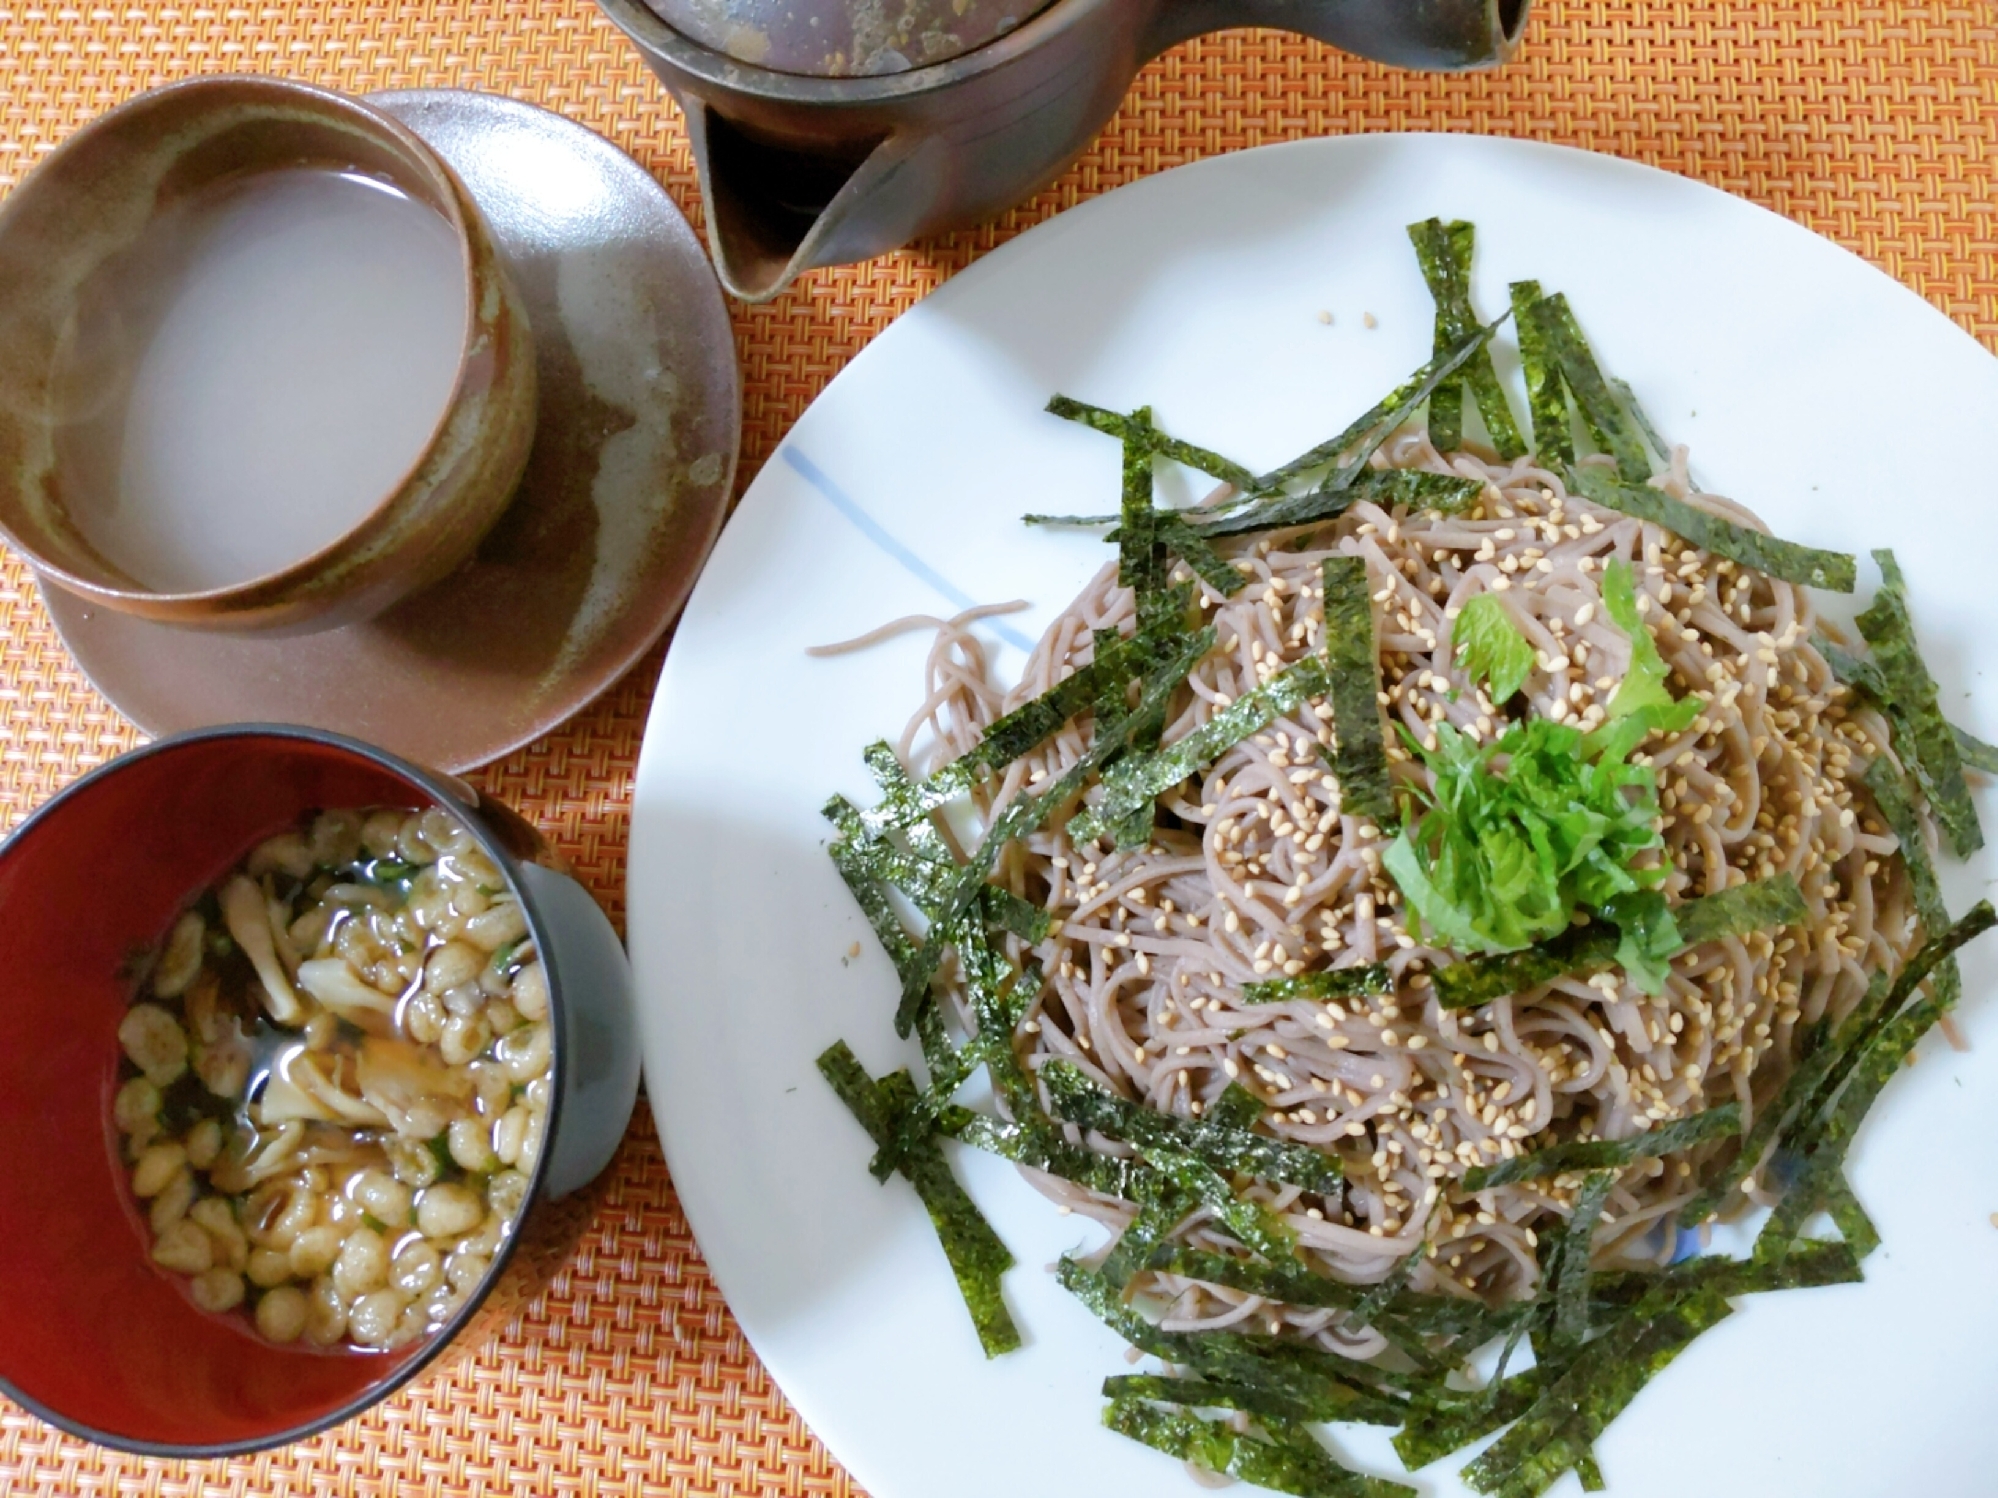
{"points": [[1870, 122]]}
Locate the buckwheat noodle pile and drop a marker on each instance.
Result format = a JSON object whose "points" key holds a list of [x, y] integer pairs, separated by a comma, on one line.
{"points": [[1266, 876]]}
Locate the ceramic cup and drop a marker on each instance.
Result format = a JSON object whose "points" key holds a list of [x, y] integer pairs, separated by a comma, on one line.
{"points": [[96, 1338], [73, 224]]}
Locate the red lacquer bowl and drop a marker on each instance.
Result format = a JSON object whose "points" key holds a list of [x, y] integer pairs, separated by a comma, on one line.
{"points": [[93, 1336]]}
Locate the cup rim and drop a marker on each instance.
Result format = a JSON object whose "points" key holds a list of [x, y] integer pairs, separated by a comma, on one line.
{"points": [[447, 791], [455, 206]]}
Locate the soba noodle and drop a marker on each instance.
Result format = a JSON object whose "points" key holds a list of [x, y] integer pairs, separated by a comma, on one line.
{"points": [[1255, 873]]}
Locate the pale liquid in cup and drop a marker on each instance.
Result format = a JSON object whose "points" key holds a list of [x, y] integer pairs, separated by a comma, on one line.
{"points": [[260, 373]]}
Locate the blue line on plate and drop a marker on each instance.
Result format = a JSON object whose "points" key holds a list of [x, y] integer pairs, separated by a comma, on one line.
{"points": [[871, 528]]}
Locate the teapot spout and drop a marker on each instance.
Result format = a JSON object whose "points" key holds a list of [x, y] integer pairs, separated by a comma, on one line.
{"points": [[1432, 35], [775, 211]]}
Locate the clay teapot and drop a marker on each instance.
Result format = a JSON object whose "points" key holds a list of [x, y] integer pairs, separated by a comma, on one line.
{"points": [[830, 131]]}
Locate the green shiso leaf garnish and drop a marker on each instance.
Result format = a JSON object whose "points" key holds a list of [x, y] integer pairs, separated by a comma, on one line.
{"points": [[1490, 648], [1501, 858], [1770, 555], [1609, 1154], [1352, 661], [1564, 346], [1333, 983], [1444, 251], [1912, 692], [1643, 687], [1760, 905], [1221, 1145], [977, 1257]]}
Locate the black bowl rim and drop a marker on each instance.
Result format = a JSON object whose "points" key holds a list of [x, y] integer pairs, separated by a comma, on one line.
{"points": [[447, 794]]}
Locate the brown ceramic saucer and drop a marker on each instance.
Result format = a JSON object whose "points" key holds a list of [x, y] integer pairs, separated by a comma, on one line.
{"points": [[634, 454]]}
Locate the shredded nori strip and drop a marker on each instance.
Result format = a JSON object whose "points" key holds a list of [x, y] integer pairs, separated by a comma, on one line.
{"points": [[1044, 1149], [1912, 690], [1021, 917], [1761, 905], [1770, 555], [1386, 487], [1359, 762], [1546, 398], [1557, 1432], [1562, 341], [1360, 440], [1868, 1065], [1290, 1461], [1974, 752], [1330, 983], [1306, 1377], [1444, 251], [1111, 424], [1609, 1154], [1131, 784], [977, 1257], [1201, 1393], [1222, 1146], [1181, 537], [1571, 1269]]}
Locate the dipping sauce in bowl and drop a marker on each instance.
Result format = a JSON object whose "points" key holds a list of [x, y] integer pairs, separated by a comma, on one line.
{"points": [[307, 1056], [336, 1080]]}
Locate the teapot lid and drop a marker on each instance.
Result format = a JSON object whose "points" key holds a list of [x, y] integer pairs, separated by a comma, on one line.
{"points": [[844, 38]]}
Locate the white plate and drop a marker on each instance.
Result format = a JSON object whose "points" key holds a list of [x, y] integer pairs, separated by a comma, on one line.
{"points": [[1816, 389]]}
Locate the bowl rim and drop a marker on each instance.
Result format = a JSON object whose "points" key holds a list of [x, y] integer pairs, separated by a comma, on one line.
{"points": [[455, 206], [448, 792]]}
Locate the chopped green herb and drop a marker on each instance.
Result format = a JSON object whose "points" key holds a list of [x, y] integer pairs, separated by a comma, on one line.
{"points": [[1359, 761], [1832, 570], [1490, 648], [1643, 686], [977, 1257], [1912, 691], [1444, 251], [1331, 983], [1499, 860], [1608, 1154]]}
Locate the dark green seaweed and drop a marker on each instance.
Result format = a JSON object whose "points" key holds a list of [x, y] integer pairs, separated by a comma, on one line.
{"points": [[977, 1257], [1131, 784], [1386, 487], [1974, 752], [1761, 905], [1180, 537], [1329, 983], [1360, 440], [1294, 1465], [1912, 690], [1444, 251], [1563, 344], [1770, 555], [1609, 1154], [1571, 1269], [1111, 424], [1359, 762], [1221, 1146], [1546, 398]]}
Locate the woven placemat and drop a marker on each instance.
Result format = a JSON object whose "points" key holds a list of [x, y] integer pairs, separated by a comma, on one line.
{"points": [[1871, 123]]}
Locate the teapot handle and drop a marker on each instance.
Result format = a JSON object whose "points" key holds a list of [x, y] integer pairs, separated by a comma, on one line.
{"points": [[1435, 35]]}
